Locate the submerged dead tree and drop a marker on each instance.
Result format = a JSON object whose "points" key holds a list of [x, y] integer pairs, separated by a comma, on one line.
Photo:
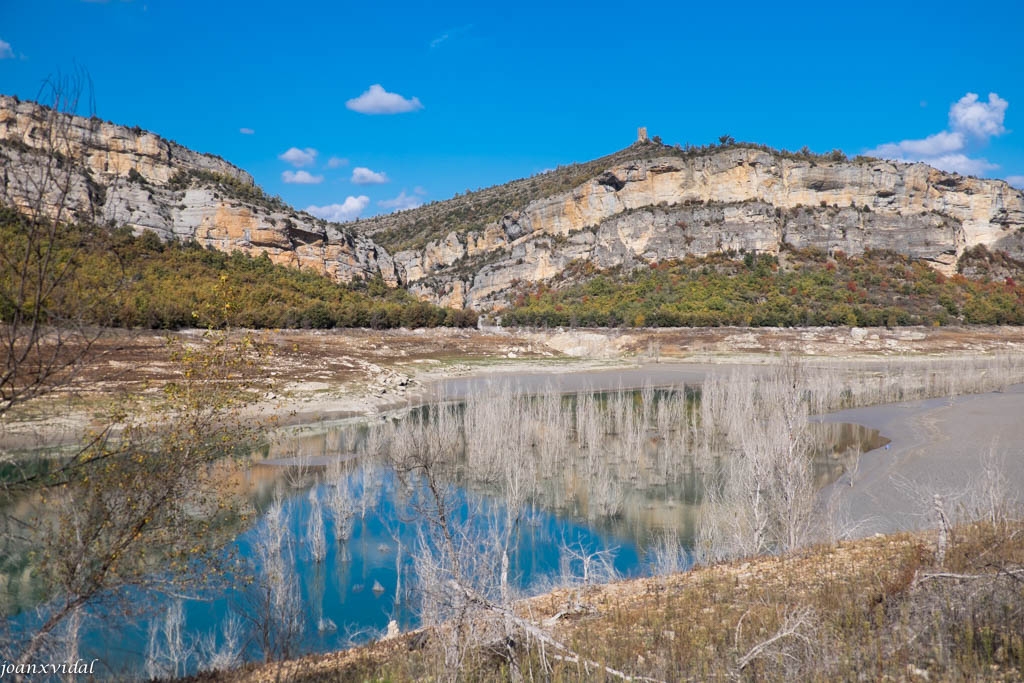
{"points": [[764, 493]]}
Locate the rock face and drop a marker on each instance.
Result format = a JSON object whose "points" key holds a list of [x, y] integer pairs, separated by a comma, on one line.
{"points": [[127, 176], [732, 198], [644, 204]]}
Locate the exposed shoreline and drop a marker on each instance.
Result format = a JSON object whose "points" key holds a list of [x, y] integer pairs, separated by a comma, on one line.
{"points": [[358, 374], [938, 446]]}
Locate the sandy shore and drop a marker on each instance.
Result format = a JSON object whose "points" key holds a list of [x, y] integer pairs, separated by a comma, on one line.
{"points": [[939, 446]]}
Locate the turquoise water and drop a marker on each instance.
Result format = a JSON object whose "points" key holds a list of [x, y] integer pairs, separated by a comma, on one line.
{"points": [[352, 594]]}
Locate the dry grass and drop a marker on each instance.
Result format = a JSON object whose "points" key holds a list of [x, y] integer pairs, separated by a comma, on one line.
{"points": [[875, 609]]}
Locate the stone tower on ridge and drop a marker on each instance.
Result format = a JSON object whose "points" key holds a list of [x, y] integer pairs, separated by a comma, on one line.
{"points": [[641, 134]]}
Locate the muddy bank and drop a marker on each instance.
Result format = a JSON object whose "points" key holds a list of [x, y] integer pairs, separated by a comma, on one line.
{"points": [[333, 374], [937, 446]]}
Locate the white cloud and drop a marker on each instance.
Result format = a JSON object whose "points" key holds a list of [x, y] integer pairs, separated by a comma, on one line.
{"points": [[1016, 180], [960, 163], [246, 131], [336, 162], [299, 157], [420, 190], [301, 178], [6, 51], [364, 176], [978, 118], [339, 213], [377, 100], [933, 145], [402, 202], [971, 124]]}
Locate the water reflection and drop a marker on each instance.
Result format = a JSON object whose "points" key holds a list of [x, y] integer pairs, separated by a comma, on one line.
{"points": [[562, 477], [645, 485], [838, 445]]}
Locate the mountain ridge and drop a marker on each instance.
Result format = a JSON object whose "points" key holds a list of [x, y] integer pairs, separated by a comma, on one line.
{"points": [[737, 198], [128, 176], [392, 230], [643, 204]]}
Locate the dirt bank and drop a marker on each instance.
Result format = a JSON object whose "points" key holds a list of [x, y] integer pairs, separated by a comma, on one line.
{"points": [[939, 446], [329, 374]]}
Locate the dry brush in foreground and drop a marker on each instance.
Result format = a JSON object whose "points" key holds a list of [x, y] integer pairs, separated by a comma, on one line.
{"points": [[881, 608]]}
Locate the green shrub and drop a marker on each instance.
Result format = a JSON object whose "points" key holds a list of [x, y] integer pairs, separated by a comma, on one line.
{"points": [[140, 281], [874, 289]]}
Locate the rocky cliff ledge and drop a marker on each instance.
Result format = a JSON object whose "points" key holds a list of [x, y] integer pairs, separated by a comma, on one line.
{"points": [[128, 176], [646, 203], [738, 198]]}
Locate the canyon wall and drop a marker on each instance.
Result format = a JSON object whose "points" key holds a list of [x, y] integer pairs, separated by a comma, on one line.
{"points": [[733, 198], [128, 176]]}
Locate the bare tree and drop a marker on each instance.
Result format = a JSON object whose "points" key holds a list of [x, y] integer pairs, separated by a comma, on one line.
{"points": [[273, 606], [990, 495], [583, 565], [168, 649], [227, 653], [788, 652], [316, 537], [48, 307], [765, 494], [150, 492], [142, 481], [341, 504], [667, 555]]}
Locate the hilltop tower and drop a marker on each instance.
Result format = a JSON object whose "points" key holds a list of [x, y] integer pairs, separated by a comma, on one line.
{"points": [[641, 134]]}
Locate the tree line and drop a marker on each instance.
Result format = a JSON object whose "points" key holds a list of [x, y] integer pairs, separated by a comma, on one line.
{"points": [[798, 288], [118, 279]]}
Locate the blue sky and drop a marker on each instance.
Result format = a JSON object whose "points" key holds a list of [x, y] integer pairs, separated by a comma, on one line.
{"points": [[480, 93]]}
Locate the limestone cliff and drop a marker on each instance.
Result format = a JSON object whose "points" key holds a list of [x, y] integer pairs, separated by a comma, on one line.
{"points": [[646, 203], [740, 198], [127, 176]]}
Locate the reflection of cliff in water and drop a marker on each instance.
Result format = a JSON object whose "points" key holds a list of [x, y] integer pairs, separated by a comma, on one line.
{"points": [[631, 463], [615, 472], [838, 445]]}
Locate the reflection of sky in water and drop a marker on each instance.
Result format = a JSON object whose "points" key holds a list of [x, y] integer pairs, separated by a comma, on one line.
{"points": [[340, 590], [662, 496]]}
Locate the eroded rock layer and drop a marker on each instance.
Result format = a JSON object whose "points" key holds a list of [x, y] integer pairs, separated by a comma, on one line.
{"points": [[128, 176], [734, 198], [645, 204]]}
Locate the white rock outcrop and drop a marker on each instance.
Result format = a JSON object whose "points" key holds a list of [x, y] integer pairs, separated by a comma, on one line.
{"points": [[127, 176], [734, 198]]}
